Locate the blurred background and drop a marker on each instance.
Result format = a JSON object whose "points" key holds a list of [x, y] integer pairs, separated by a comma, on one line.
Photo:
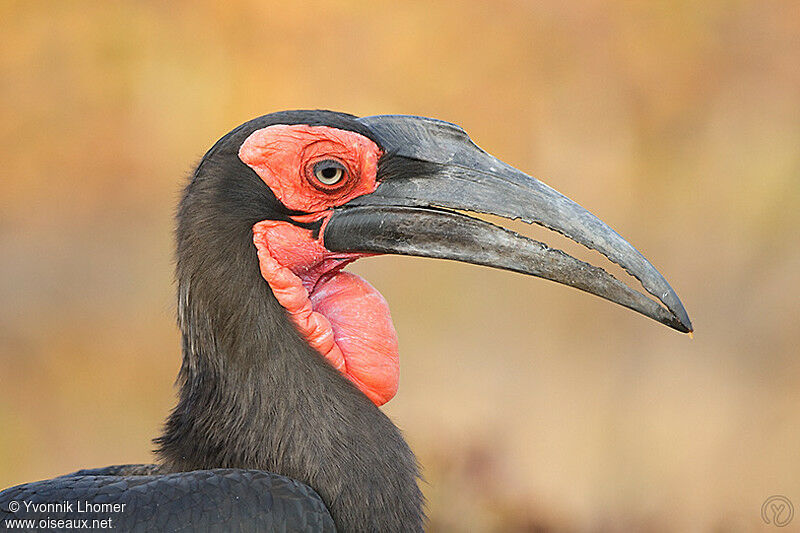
{"points": [[532, 406]]}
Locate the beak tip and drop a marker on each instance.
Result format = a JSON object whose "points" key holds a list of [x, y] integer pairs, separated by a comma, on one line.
{"points": [[685, 325]]}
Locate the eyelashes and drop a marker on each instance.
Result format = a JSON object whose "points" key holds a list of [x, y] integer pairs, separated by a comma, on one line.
{"points": [[329, 172]]}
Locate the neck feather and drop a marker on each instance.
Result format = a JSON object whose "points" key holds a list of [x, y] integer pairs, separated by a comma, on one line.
{"points": [[255, 395]]}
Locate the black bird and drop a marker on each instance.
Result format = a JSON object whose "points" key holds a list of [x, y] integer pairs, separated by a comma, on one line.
{"points": [[286, 357]]}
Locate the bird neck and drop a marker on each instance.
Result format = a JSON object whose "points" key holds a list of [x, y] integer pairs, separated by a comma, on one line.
{"points": [[255, 395]]}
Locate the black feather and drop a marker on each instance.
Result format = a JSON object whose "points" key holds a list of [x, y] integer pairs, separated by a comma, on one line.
{"points": [[253, 395]]}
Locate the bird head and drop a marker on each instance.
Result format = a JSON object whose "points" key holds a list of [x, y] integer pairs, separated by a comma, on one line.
{"points": [[311, 191]]}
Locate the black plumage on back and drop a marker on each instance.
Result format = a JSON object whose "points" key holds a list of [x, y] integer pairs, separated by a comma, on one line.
{"points": [[139, 498]]}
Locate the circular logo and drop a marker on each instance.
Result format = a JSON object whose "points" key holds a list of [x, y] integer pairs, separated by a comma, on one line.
{"points": [[777, 510]]}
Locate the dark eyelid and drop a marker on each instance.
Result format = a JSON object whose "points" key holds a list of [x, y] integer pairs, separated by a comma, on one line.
{"points": [[318, 169], [328, 163]]}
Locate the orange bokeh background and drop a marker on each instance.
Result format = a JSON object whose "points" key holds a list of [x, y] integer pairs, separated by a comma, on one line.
{"points": [[530, 405]]}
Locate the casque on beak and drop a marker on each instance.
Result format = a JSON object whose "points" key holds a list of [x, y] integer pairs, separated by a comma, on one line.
{"points": [[410, 214]]}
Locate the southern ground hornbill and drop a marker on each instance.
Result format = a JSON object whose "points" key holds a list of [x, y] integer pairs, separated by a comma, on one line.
{"points": [[286, 357]]}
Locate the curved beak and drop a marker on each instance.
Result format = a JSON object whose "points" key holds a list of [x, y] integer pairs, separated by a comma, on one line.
{"points": [[431, 167]]}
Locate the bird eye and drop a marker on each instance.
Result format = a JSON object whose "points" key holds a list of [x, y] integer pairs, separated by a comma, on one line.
{"points": [[329, 171]]}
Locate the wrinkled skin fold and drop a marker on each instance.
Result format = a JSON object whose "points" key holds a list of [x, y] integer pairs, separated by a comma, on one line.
{"points": [[409, 214]]}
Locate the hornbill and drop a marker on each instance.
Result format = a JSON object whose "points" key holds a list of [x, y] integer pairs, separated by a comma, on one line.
{"points": [[286, 357]]}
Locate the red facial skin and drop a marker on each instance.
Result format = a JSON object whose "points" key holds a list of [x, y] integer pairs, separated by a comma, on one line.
{"points": [[284, 156], [339, 314]]}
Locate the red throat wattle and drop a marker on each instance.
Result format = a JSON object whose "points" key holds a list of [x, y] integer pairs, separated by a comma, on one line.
{"points": [[338, 313]]}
